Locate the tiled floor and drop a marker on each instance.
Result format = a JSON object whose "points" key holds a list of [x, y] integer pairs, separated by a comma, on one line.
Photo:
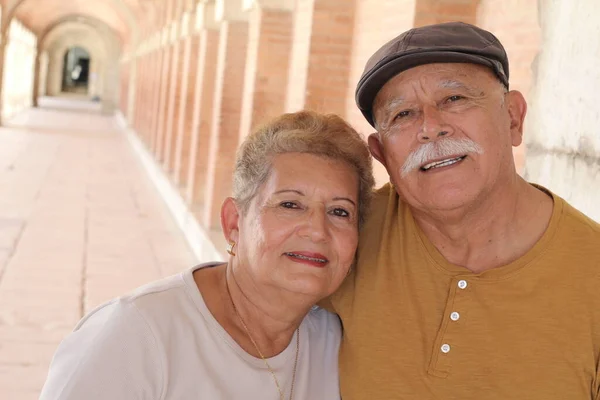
{"points": [[80, 223]]}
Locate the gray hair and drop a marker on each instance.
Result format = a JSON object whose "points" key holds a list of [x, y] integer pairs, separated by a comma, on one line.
{"points": [[308, 132]]}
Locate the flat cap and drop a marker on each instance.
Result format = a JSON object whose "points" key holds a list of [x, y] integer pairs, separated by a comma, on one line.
{"points": [[451, 42]]}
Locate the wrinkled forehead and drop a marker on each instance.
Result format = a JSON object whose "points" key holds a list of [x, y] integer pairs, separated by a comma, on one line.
{"points": [[469, 77]]}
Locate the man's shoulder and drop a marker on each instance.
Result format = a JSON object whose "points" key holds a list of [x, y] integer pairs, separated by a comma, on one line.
{"points": [[578, 228], [383, 201], [578, 220]]}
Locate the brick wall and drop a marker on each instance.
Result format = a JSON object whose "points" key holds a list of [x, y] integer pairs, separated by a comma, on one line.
{"points": [[200, 98]]}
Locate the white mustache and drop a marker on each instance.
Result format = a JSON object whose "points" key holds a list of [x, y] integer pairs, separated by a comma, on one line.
{"points": [[442, 148]]}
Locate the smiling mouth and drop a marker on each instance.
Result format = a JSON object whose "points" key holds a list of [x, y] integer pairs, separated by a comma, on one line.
{"points": [[442, 163], [307, 258]]}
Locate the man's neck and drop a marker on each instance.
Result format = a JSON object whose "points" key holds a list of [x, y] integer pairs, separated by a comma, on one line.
{"points": [[496, 231]]}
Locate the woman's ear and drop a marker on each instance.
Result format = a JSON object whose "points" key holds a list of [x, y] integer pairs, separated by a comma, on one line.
{"points": [[230, 219]]}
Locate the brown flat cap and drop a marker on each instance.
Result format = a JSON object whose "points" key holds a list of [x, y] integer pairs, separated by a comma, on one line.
{"points": [[452, 42]]}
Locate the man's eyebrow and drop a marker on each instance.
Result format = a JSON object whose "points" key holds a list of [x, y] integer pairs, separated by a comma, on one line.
{"points": [[391, 105], [453, 84]]}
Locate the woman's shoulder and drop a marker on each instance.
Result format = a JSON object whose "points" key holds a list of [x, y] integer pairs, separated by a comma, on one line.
{"points": [[151, 298]]}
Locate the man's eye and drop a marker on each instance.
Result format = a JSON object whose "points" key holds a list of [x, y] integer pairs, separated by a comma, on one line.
{"points": [[288, 204], [402, 114], [340, 212], [454, 98]]}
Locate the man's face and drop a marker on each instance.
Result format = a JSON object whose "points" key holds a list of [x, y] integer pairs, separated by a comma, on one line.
{"points": [[445, 134]]}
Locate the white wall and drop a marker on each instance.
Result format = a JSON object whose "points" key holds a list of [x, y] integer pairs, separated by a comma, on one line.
{"points": [[18, 69], [563, 135]]}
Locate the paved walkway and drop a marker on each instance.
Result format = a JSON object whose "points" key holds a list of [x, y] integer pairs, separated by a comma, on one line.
{"points": [[80, 223]]}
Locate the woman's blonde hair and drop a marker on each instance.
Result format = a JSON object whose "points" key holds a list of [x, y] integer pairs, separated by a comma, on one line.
{"points": [[308, 132]]}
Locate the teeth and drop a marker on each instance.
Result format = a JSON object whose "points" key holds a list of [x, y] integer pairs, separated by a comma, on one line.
{"points": [[442, 163], [306, 258]]}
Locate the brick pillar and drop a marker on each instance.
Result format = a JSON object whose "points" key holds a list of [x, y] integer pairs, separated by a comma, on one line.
{"points": [[139, 89], [146, 103], [173, 94], [321, 55], [429, 12], [164, 96], [148, 100], [267, 64], [225, 128], [158, 87], [186, 110], [203, 107], [124, 87]]}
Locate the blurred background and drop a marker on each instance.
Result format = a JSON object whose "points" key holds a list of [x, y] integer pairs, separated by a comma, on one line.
{"points": [[121, 119]]}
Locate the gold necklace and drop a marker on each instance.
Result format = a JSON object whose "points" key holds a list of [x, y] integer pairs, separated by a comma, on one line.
{"points": [[281, 396]]}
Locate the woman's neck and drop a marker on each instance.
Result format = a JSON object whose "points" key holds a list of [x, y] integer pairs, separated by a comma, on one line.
{"points": [[253, 316]]}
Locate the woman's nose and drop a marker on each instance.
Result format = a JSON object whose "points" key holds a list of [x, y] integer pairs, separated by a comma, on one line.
{"points": [[314, 226]]}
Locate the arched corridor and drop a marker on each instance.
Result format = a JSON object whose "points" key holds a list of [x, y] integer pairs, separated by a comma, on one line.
{"points": [[80, 222], [121, 120]]}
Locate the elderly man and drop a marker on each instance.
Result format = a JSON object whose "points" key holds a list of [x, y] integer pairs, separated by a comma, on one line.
{"points": [[471, 283]]}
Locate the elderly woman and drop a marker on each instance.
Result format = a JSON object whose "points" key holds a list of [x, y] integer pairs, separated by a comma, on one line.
{"points": [[247, 329]]}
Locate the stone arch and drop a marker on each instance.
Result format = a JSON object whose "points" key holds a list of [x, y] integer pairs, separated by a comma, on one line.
{"points": [[9, 12], [97, 38]]}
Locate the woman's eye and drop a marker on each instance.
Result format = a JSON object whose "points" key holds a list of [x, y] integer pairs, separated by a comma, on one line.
{"points": [[340, 212], [288, 204]]}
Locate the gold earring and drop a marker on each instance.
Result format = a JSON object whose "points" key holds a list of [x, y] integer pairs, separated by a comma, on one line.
{"points": [[230, 247]]}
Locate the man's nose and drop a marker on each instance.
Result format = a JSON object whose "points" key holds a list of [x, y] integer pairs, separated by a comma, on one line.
{"points": [[433, 126]]}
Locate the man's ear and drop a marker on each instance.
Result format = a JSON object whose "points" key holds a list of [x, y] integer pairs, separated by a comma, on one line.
{"points": [[230, 219], [517, 109], [376, 148]]}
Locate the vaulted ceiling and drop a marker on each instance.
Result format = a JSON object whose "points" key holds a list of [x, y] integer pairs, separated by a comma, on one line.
{"points": [[127, 18]]}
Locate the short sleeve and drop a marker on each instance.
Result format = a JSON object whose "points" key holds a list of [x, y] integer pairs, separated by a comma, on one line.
{"points": [[111, 354]]}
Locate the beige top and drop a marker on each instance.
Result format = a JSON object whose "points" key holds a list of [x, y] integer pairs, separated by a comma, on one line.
{"points": [[161, 342], [418, 327]]}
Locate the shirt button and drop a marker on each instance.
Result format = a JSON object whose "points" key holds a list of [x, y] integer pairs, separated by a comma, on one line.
{"points": [[462, 284], [454, 316], [445, 348]]}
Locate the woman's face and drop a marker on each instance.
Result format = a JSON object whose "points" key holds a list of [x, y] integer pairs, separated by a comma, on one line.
{"points": [[301, 230]]}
